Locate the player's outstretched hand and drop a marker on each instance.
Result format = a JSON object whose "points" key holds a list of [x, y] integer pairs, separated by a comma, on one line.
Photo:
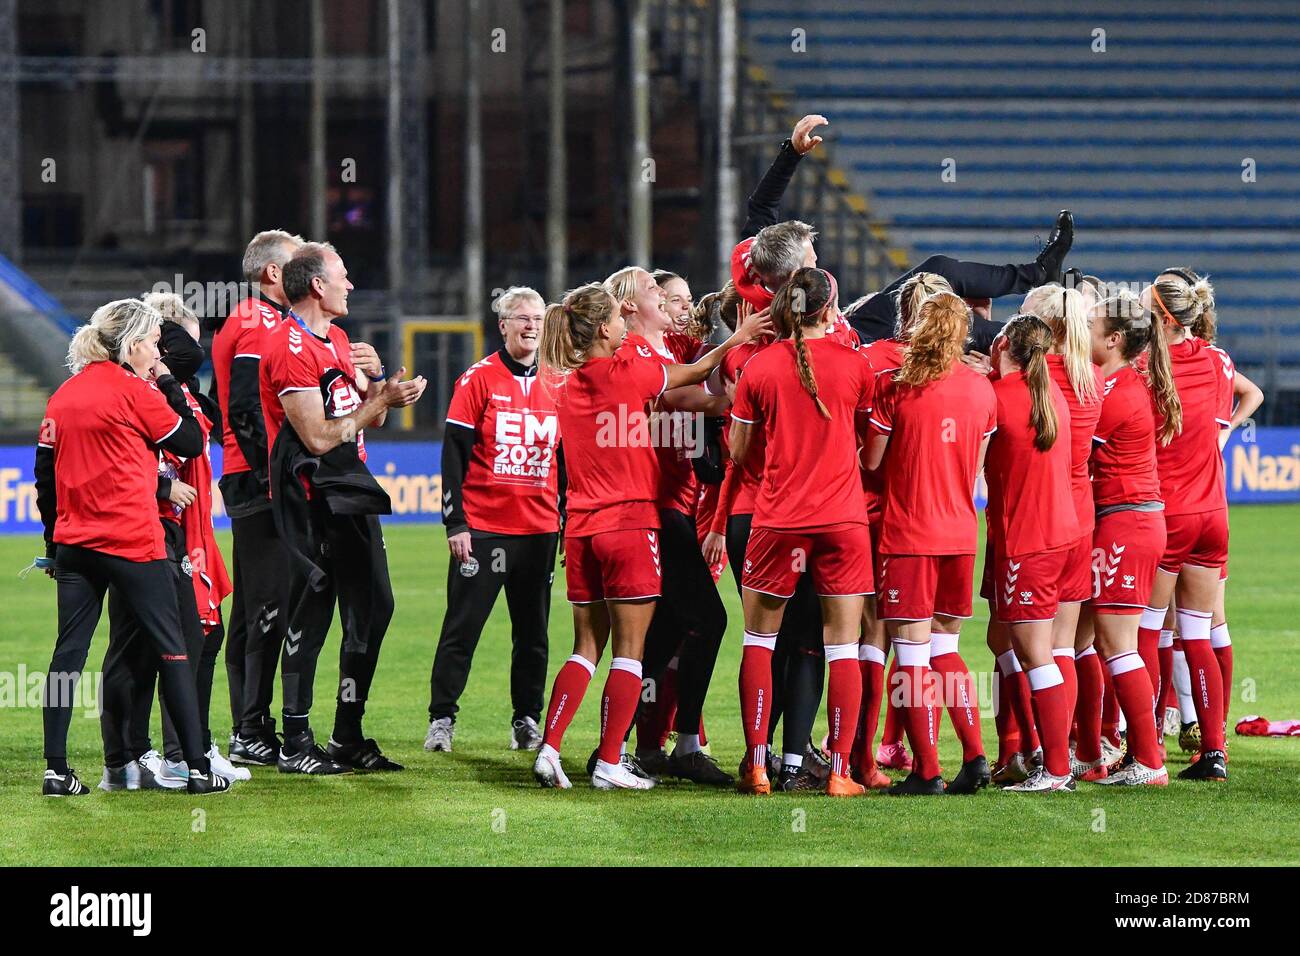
{"points": [[398, 394], [802, 139], [754, 326]]}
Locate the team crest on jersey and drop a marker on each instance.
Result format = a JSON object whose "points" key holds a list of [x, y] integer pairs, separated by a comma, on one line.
{"points": [[644, 352]]}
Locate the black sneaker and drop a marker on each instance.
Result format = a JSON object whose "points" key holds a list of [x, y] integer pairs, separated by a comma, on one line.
{"points": [[63, 785], [799, 780], [816, 761], [655, 762], [699, 767], [1052, 258], [914, 785], [301, 754], [210, 782], [261, 749], [1213, 765], [974, 775], [363, 756]]}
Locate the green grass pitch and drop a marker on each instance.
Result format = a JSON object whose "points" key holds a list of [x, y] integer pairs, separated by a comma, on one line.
{"points": [[479, 805]]}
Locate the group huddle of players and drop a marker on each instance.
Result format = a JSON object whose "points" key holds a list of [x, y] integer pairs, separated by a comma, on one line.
{"points": [[830, 456]]}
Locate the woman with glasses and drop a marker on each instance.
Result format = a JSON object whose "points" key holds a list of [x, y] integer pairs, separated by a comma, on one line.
{"points": [[501, 511]]}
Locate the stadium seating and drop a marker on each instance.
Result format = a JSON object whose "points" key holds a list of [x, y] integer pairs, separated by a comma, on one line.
{"points": [[1145, 141]]}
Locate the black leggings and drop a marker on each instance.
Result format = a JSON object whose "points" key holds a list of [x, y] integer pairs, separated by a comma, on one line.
{"points": [[798, 663], [131, 670], [689, 615], [257, 620], [356, 576], [972, 280], [149, 589], [524, 564]]}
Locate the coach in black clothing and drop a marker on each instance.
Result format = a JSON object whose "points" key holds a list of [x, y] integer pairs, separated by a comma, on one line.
{"points": [[874, 317], [501, 481]]}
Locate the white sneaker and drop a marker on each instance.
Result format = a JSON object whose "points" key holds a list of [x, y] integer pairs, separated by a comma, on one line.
{"points": [[615, 776], [549, 773], [154, 775], [1173, 722], [177, 770], [440, 734], [1091, 770], [1040, 781], [1136, 774], [1110, 753], [525, 735], [224, 768], [124, 778]]}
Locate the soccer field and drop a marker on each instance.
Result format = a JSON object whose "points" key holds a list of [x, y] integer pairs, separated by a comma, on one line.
{"points": [[479, 805]]}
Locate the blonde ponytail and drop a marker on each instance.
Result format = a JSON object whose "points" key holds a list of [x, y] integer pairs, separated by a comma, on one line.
{"points": [[111, 332], [1066, 313]]}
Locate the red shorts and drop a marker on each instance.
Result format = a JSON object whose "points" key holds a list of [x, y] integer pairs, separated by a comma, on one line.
{"points": [[838, 557], [986, 578], [1076, 579], [613, 566], [1127, 545], [1029, 586], [1200, 540], [916, 587], [874, 528]]}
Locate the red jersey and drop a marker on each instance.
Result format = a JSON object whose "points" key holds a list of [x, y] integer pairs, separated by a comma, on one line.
{"points": [[240, 336], [885, 356], [1191, 466], [678, 487], [1083, 423], [296, 360], [1123, 460], [173, 466], [750, 475], [609, 456], [1035, 511], [510, 484], [104, 425], [935, 434], [810, 475]]}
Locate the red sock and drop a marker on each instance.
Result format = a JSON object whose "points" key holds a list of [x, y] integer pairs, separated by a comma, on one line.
{"points": [[957, 691], [655, 721], [1109, 709], [1020, 700], [1149, 649], [1207, 680], [1088, 708], [1064, 660], [918, 716], [566, 697], [617, 705], [843, 703], [1049, 696], [756, 693], [1137, 700], [872, 669], [893, 732], [1004, 719], [1170, 696], [1221, 643], [1165, 656]]}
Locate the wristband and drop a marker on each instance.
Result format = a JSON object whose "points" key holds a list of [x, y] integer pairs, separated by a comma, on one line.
{"points": [[377, 378]]}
